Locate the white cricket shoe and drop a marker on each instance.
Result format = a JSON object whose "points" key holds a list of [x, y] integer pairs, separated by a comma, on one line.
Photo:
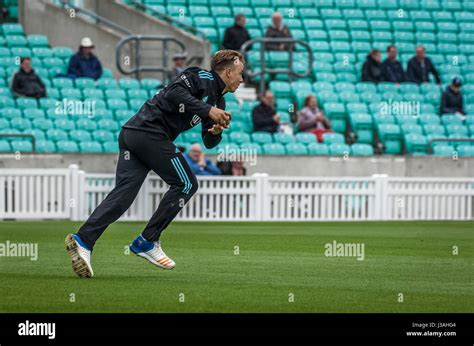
{"points": [[80, 256], [152, 251]]}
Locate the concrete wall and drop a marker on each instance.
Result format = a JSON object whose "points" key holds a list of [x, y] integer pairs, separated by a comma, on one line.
{"points": [[41, 17], [277, 165]]}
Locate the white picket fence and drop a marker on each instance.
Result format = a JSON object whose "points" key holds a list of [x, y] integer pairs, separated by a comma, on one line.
{"points": [[73, 194]]}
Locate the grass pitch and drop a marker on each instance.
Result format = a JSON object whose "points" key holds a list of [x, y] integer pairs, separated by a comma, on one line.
{"points": [[280, 267]]}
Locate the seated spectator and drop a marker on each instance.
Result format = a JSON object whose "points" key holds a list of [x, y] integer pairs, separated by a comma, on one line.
{"points": [[235, 168], [278, 30], [225, 167], [238, 168], [372, 68], [179, 61], [237, 34], [26, 82], [84, 63], [198, 162], [392, 70], [264, 116], [451, 99], [420, 66], [312, 119]]}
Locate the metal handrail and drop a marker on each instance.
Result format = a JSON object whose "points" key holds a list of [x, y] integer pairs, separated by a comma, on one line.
{"points": [[430, 147], [138, 67], [22, 135], [264, 69], [198, 59], [167, 18], [96, 17]]}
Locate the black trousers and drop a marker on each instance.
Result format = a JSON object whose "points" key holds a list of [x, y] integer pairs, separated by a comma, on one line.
{"points": [[140, 152]]}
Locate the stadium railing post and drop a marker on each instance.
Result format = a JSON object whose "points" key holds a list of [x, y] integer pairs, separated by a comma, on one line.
{"points": [[262, 199], [143, 211], [76, 193], [380, 212], [81, 196], [73, 189]]}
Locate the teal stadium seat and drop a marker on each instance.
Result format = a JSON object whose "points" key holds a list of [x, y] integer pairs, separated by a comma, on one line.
{"points": [[262, 138], [283, 138], [44, 146], [337, 149], [296, 149], [66, 146], [362, 149], [111, 147], [443, 150], [4, 146], [273, 149], [465, 150], [21, 146], [90, 147], [318, 149], [239, 137]]}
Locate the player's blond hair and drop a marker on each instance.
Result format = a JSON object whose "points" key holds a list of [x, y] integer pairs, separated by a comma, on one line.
{"points": [[225, 58]]}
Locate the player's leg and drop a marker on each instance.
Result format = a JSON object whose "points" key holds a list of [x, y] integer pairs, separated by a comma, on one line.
{"points": [[130, 175], [174, 170]]}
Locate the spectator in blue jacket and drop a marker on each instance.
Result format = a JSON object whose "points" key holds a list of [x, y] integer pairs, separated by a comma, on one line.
{"points": [[392, 70], [198, 162], [84, 63]]}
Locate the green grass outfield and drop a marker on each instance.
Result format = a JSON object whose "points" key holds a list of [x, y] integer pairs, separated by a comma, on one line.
{"points": [[275, 261]]}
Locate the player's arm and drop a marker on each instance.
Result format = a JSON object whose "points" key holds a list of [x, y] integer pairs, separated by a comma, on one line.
{"points": [[181, 94], [212, 132]]}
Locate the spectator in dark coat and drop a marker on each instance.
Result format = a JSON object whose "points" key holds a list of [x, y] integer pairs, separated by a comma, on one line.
{"points": [[84, 63], [278, 30], [264, 116], [420, 66], [372, 68], [235, 168], [392, 70], [237, 34], [451, 99], [26, 82]]}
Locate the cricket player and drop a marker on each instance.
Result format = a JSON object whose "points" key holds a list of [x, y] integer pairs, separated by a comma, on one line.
{"points": [[146, 143]]}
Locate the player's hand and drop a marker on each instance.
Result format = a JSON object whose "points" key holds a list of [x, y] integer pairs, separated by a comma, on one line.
{"points": [[216, 129], [219, 116]]}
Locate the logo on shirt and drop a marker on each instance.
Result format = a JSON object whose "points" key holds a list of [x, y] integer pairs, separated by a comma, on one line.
{"points": [[205, 75], [183, 77], [195, 120], [204, 99]]}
